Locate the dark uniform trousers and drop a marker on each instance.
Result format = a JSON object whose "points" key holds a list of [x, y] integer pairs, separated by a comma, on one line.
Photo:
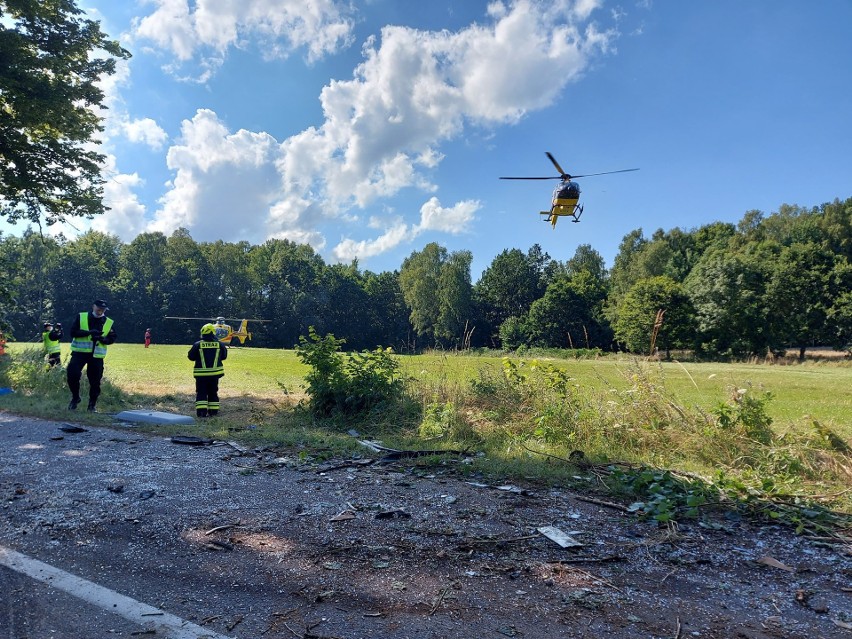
{"points": [[94, 373], [206, 396]]}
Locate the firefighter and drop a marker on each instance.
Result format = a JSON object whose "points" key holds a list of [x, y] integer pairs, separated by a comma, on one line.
{"points": [[208, 353], [50, 337], [91, 333]]}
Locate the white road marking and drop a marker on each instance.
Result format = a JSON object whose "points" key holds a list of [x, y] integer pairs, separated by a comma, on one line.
{"points": [[149, 617]]}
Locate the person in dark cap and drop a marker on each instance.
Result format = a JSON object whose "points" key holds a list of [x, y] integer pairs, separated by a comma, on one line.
{"points": [[91, 333]]}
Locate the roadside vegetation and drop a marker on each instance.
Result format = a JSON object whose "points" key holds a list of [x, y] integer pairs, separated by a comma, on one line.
{"points": [[670, 441]]}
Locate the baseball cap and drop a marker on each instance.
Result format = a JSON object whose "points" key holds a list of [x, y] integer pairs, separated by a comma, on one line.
{"points": [[101, 304]]}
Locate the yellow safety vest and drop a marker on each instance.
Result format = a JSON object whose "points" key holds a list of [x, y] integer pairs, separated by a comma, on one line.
{"points": [[86, 344], [51, 346]]}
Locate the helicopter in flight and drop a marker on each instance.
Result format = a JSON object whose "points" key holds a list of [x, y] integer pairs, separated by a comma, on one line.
{"points": [[223, 331], [566, 195]]}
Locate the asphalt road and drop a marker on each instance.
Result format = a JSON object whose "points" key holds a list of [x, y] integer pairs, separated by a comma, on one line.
{"points": [[111, 533]]}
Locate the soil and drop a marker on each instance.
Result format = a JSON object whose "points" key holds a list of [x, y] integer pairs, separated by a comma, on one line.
{"points": [[258, 543]]}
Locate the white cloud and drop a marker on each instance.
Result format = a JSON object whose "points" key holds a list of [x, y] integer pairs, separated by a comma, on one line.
{"points": [[223, 181], [382, 128], [146, 131], [206, 30], [126, 217], [433, 217], [348, 249]]}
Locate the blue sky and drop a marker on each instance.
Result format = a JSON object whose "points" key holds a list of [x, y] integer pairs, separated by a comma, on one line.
{"points": [[371, 128]]}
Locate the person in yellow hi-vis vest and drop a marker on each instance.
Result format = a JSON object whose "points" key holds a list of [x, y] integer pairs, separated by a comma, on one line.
{"points": [[50, 337], [91, 333], [208, 353]]}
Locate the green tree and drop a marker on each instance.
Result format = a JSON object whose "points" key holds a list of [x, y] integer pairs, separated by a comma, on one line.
{"points": [[86, 269], [287, 277], [31, 263], [388, 314], [51, 61], [510, 284], [587, 259], [437, 290], [140, 290], [799, 296], [638, 313], [455, 297], [728, 292], [570, 314]]}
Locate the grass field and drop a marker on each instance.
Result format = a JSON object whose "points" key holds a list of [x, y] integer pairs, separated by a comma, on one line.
{"points": [[163, 374], [776, 429]]}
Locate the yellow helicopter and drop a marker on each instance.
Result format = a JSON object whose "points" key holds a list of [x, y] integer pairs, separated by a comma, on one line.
{"points": [[224, 332], [566, 195]]}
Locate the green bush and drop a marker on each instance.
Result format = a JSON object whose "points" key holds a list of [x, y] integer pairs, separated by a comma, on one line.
{"points": [[347, 385]]}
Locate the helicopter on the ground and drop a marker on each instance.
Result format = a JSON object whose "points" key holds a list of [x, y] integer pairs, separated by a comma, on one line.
{"points": [[223, 331], [566, 195]]}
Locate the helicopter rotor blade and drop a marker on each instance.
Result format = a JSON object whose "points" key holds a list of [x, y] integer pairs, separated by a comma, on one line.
{"points": [[552, 177], [604, 173], [556, 164]]}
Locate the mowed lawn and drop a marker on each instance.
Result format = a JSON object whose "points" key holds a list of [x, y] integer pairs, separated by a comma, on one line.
{"points": [[800, 392]]}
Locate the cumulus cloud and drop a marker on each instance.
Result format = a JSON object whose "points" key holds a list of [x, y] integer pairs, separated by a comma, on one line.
{"points": [[205, 30], [224, 182], [382, 129], [433, 217], [145, 131]]}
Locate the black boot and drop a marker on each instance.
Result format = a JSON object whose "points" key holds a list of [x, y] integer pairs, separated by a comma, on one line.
{"points": [[73, 404], [92, 408]]}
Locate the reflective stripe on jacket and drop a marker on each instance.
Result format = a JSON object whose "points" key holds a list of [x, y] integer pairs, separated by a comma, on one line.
{"points": [[86, 344], [208, 363]]}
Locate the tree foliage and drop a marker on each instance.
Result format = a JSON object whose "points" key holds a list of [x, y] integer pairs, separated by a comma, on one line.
{"points": [[51, 60], [650, 300], [436, 287], [769, 283]]}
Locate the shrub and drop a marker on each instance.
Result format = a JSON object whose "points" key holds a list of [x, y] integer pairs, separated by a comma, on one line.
{"points": [[347, 385]]}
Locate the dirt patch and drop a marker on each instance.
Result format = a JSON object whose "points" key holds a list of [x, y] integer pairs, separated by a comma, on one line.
{"points": [[257, 543]]}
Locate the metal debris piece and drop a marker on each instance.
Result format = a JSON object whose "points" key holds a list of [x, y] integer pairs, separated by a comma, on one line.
{"points": [[71, 428], [559, 537], [343, 516], [191, 440], [397, 513]]}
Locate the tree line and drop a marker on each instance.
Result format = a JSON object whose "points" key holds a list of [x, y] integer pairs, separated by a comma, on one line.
{"points": [[767, 284]]}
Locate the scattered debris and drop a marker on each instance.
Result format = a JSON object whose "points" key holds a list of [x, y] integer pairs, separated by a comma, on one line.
{"points": [[559, 537], [396, 455]]}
